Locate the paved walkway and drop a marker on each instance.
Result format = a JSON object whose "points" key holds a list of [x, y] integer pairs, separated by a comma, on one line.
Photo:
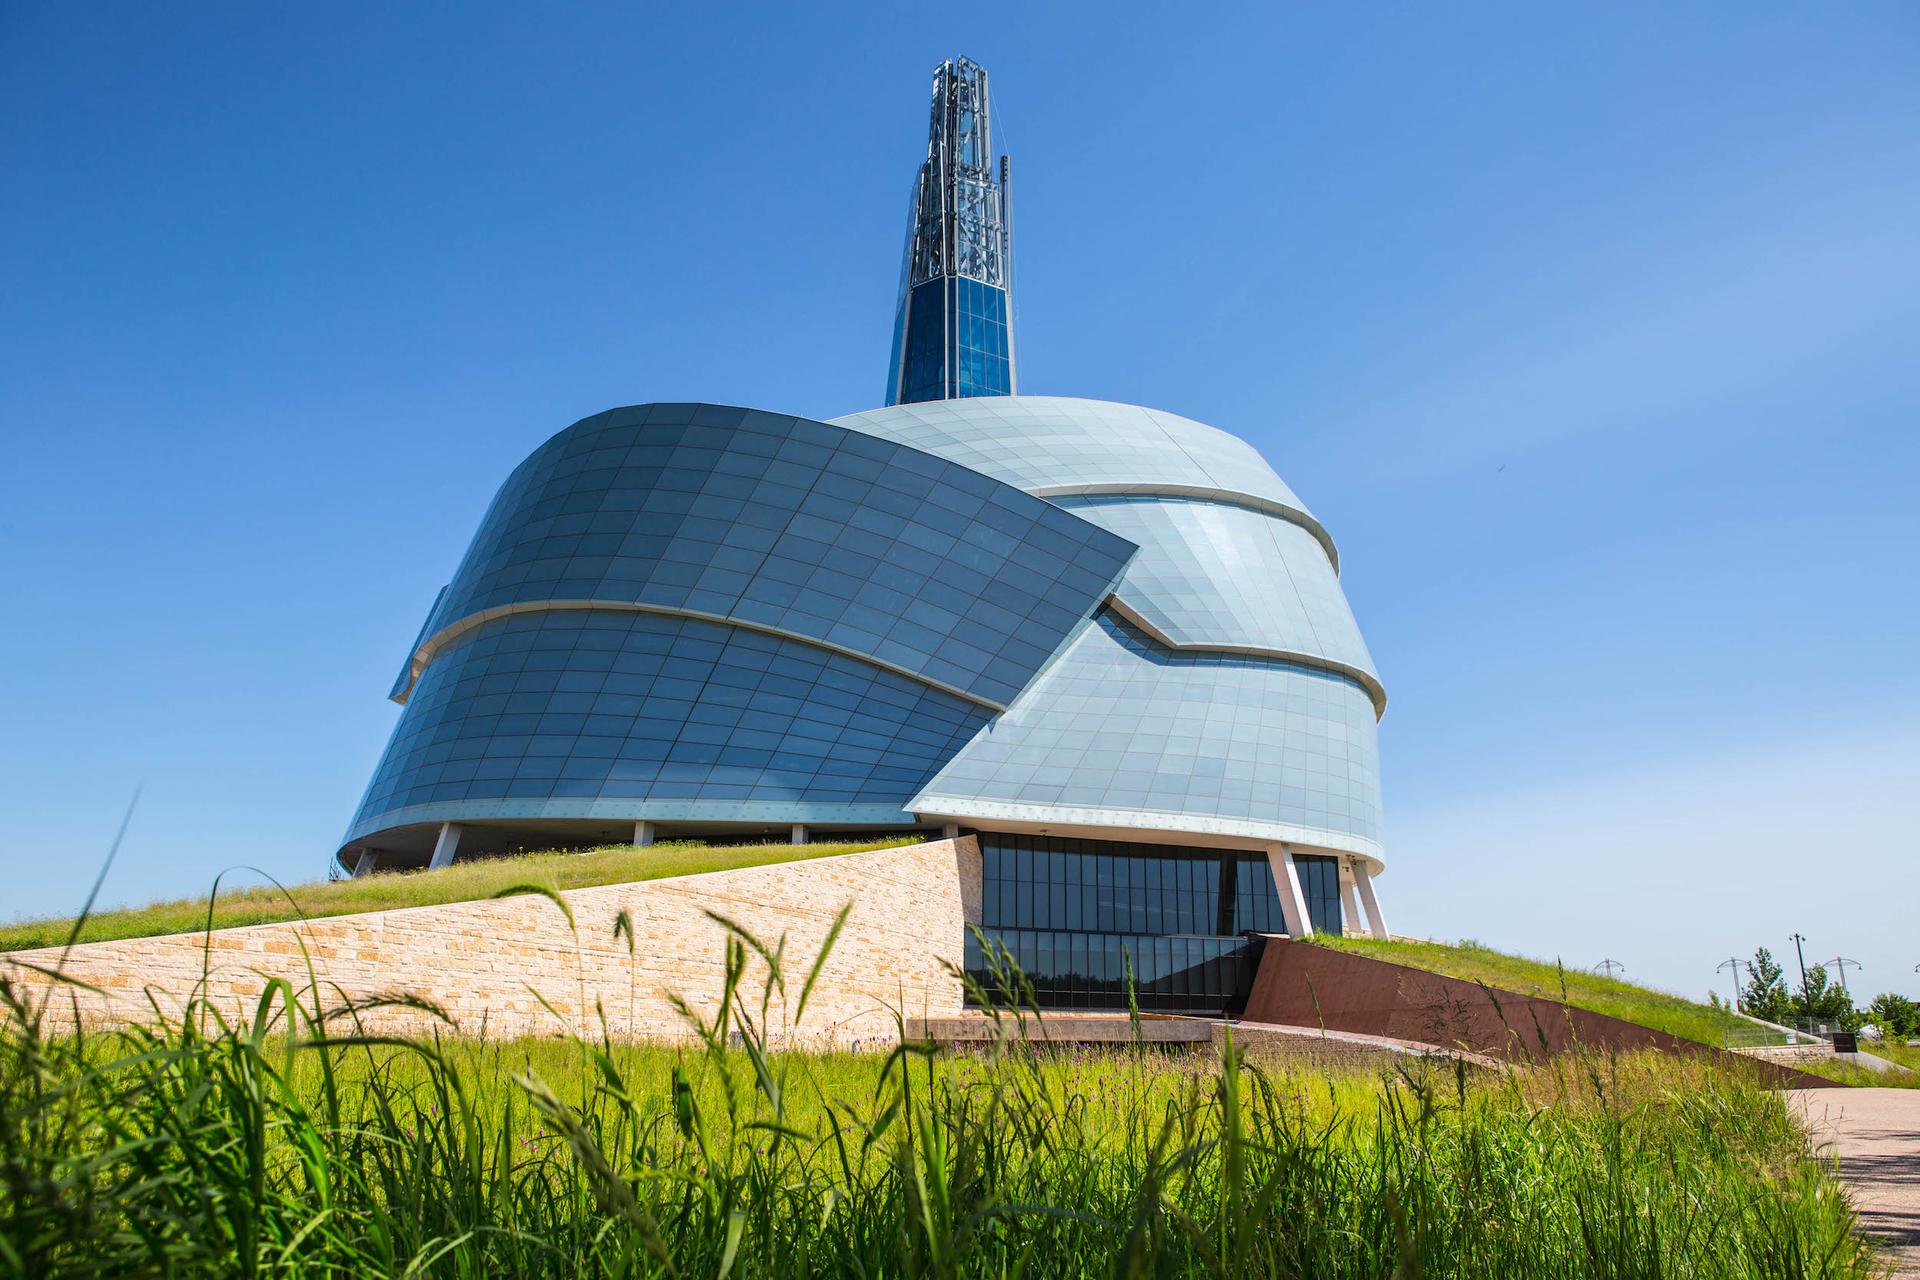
{"points": [[1876, 1134]]}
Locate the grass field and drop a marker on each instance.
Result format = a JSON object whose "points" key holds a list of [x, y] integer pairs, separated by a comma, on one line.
{"points": [[1898, 1054], [462, 882], [284, 1147], [1578, 987], [1582, 989], [1904, 1054]]}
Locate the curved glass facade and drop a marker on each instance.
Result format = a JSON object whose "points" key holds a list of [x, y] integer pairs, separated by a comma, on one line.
{"points": [[1010, 613], [709, 614], [796, 526], [1213, 575], [606, 713], [1052, 445], [1225, 689], [1124, 732]]}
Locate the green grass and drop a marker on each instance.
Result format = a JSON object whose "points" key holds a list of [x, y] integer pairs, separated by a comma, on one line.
{"points": [[1580, 988], [287, 1147], [1897, 1051], [1898, 1054], [462, 882]]}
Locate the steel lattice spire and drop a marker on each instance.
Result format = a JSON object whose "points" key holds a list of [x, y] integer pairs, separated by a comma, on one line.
{"points": [[953, 330]]}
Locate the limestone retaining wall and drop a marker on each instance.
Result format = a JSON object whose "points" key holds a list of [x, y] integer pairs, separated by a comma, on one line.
{"points": [[1818, 1051], [483, 962]]}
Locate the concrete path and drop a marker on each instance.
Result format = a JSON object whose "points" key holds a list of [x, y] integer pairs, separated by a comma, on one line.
{"points": [[1876, 1134]]}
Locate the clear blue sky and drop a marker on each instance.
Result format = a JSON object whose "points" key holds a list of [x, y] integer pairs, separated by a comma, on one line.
{"points": [[1592, 336]]}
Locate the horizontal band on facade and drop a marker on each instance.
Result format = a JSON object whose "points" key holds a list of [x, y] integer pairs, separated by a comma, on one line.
{"points": [[972, 810], [778, 813], [439, 640], [1375, 691], [1200, 493]]}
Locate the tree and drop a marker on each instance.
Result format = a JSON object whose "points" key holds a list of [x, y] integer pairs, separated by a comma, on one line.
{"points": [[1898, 1016], [1765, 995], [1825, 1001]]}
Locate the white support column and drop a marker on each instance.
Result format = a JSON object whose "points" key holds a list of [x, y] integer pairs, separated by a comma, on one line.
{"points": [[799, 833], [1350, 913], [1376, 922], [1293, 903], [368, 861], [950, 831], [643, 834], [443, 848]]}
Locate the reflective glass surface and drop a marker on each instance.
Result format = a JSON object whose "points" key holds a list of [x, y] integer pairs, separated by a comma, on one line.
{"points": [[1259, 901], [955, 342], [805, 528], [1087, 970], [1320, 884], [981, 359], [1045, 442], [1075, 913], [1123, 731], [621, 708], [1208, 573], [751, 573], [924, 375]]}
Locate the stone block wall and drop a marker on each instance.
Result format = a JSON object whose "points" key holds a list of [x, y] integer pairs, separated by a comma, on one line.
{"points": [[1818, 1051], [483, 962]]}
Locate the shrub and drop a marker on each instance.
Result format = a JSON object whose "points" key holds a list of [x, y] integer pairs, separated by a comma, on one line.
{"points": [[1894, 1014]]}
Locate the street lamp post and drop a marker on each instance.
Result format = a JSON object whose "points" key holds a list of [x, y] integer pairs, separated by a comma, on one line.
{"points": [[1840, 963], [1732, 966], [1805, 994]]}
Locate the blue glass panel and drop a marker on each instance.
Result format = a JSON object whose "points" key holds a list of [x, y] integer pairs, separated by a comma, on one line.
{"points": [[634, 506], [955, 342], [845, 728], [924, 376], [1185, 725], [1076, 914]]}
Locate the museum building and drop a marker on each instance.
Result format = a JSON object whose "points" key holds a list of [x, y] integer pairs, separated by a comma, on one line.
{"points": [[1107, 640]]}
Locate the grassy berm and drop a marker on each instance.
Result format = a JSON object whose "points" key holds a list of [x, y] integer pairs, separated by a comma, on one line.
{"points": [[1580, 988], [1661, 1010], [288, 1147], [462, 882]]}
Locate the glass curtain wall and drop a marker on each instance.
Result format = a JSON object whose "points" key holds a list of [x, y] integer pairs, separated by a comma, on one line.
{"points": [[955, 335], [1080, 916]]}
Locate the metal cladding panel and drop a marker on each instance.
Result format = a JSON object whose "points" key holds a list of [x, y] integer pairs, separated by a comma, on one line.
{"points": [[591, 713], [1045, 443], [794, 526], [1121, 730], [1211, 574]]}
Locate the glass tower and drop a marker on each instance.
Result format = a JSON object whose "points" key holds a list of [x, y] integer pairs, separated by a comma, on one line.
{"points": [[953, 329]]}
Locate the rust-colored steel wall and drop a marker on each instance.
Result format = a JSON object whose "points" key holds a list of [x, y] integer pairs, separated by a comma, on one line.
{"points": [[1299, 984]]}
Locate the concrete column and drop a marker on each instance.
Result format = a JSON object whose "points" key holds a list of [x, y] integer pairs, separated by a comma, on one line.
{"points": [[1376, 922], [949, 831], [643, 834], [1293, 903], [366, 864], [1350, 912], [799, 833], [444, 847]]}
